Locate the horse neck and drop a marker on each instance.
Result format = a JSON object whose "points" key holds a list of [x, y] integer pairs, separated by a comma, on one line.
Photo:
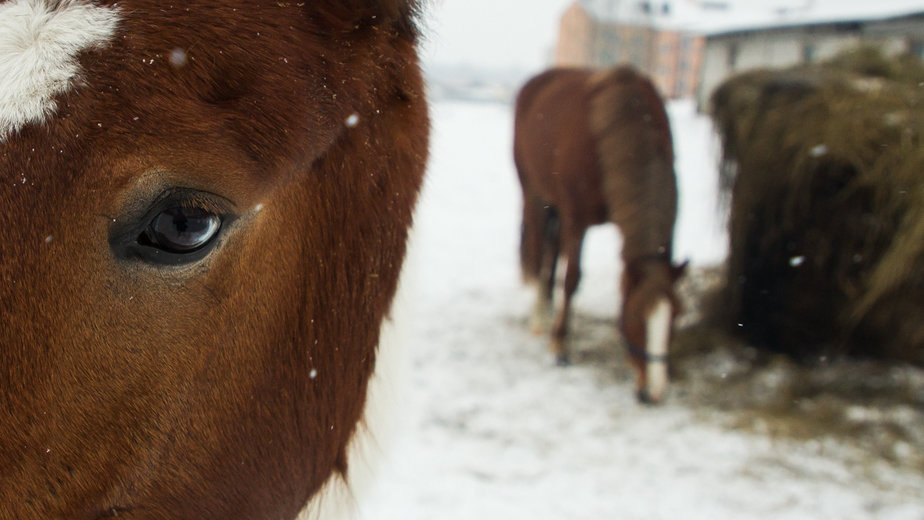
{"points": [[642, 245], [636, 158], [648, 278], [640, 190]]}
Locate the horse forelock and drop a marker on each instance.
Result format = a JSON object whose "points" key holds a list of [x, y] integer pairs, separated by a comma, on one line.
{"points": [[40, 41]]}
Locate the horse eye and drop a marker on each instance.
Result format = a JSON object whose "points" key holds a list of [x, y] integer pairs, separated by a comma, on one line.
{"points": [[181, 230]]}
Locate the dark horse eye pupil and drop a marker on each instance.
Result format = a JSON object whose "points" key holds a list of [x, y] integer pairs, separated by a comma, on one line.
{"points": [[182, 230]]}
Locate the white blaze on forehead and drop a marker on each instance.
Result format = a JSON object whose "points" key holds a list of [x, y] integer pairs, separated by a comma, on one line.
{"points": [[657, 333], [39, 44]]}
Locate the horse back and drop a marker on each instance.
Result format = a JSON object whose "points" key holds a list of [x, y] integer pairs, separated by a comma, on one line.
{"points": [[597, 145], [553, 146]]}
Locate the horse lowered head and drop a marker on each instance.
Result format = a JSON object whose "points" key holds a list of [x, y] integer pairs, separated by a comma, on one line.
{"points": [[203, 215], [649, 307]]}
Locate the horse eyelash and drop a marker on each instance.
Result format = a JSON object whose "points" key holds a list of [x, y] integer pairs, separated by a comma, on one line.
{"points": [[190, 199], [203, 203]]}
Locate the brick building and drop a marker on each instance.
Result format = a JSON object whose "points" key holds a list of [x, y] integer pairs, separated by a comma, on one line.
{"points": [[688, 47], [659, 38]]}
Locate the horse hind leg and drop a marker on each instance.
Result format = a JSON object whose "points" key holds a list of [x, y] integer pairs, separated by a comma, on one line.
{"points": [[540, 317], [543, 253], [570, 270]]}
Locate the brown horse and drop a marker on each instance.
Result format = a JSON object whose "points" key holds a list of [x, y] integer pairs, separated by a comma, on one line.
{"points": [[203, 214], [593, 147]]}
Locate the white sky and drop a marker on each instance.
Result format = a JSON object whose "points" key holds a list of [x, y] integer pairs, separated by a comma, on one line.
{"points": [[517, 34]]}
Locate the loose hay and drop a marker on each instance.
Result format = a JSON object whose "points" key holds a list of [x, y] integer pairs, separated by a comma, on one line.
{"points": [[825, 169], [874, 407]]}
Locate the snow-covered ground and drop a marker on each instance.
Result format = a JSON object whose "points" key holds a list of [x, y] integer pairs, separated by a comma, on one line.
{"points": [[489, 428]]}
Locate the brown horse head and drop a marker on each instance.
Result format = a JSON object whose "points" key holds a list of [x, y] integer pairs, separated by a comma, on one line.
{"points": [[203, 215], [649, 307]]}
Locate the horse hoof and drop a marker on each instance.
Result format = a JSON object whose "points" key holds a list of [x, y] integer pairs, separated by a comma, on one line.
{"points": [[562, 360], [644, 398]]}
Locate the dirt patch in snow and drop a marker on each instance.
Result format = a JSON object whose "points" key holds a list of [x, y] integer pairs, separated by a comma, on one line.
{"points": [[875, 407]]}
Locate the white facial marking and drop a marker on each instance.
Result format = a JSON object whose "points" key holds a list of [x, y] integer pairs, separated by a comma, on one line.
{"points": [[658, 334], [39, 46], [559, 290]]}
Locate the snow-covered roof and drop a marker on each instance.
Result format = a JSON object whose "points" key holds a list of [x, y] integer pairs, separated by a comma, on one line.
{"points": [[724, 16]]}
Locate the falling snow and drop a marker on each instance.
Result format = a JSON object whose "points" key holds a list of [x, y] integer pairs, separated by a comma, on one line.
{"points": [[178, 58], [489, 428]]}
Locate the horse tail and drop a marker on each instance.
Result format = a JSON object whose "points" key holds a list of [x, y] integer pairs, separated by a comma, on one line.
{"points": [[539, 231], [538, 237]]}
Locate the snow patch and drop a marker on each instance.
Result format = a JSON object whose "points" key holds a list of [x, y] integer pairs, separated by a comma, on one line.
{"points": [[497, 431]]}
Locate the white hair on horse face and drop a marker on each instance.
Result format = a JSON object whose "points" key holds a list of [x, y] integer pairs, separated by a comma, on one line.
{"points": [[657, 335], [39, 44], [559, 290]]}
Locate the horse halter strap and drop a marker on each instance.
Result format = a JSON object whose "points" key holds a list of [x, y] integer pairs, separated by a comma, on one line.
{"points": [[653, 258], [642, 355]]}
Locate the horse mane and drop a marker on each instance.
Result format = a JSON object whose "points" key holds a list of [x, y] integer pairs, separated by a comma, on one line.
{"points": [[633, 139]]}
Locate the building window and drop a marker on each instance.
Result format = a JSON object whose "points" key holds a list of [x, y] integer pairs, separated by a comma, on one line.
{"points": [[732, 55], [916, 48], [808, 53]]}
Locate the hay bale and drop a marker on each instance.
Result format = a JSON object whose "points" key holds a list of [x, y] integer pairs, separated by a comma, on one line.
{"points": [[825, 170]]}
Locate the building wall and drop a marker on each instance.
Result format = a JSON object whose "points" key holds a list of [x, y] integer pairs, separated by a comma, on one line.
{"points": [[677, 59], [690, 76], [618, 44], [725, 55], [690, 65], [672, 59], [576, 32], [666, 61]]}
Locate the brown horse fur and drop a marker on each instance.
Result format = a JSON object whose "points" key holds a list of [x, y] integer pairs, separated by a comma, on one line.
{"points": [[229, 386], [593, 147]]}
